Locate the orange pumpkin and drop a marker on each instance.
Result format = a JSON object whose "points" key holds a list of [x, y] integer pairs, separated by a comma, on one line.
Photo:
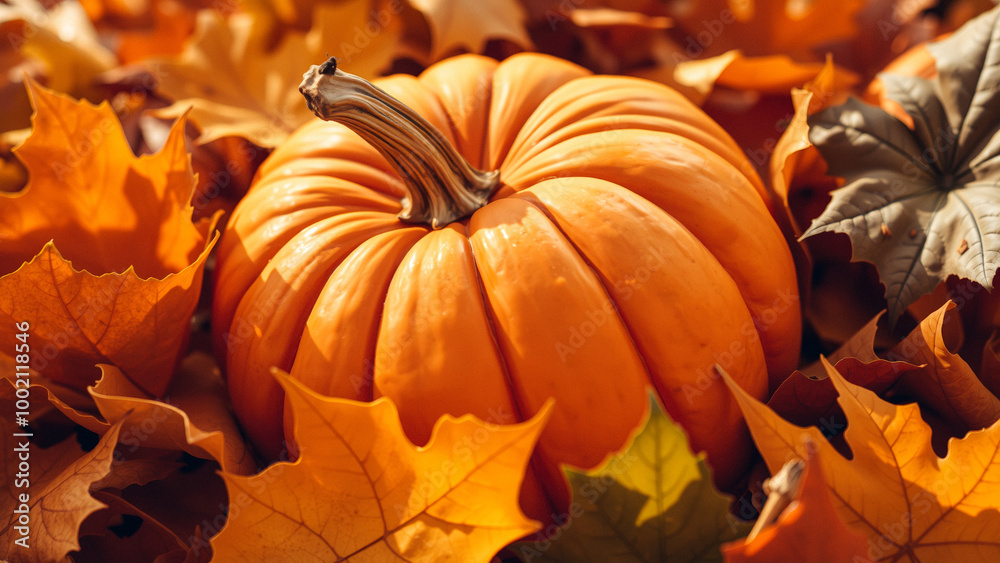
{"points": [[625, 245]]}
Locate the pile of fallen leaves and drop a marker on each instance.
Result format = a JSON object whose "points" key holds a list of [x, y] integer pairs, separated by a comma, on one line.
{"points": [[129, 130]]}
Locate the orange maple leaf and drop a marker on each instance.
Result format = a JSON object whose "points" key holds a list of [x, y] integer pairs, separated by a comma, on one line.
{"points": [[125, 222], [360, 490], [912, 504]]}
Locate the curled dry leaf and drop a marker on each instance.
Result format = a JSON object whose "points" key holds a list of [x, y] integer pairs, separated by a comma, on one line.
{"points": [[945, 383], [234, 85], [937, 179], [808, 531], [921, 367], [125, 222], [47, 493], [110, 534], [907, 500], [193, 417], [653, 501], [361, 490]]}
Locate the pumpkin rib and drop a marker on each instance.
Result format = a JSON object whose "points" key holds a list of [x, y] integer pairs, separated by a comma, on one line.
{"points": [[600, 386], [623, 98], [258, 233], [689, 259], [464, 86], [491, 326], [270, 317], [325, 348], [533, 477], [679, 176], [518, 90], [597, 275]]}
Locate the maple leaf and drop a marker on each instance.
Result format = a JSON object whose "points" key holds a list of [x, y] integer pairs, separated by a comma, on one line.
{"points": [[361, 491], [807, 531], [653, 501], [457, 25], [56, 482], [945, 382], [235, 86], [125, 222], [194, 417], [911, 504], [921, 203]]}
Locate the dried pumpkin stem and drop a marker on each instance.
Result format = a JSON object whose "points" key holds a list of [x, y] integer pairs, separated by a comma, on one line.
{"points": [[442, 186]]}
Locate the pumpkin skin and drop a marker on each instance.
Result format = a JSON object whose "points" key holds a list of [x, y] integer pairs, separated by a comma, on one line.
{"points": [[628, 247]]}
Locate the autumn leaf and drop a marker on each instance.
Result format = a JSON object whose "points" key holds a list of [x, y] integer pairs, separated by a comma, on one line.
{"points": [[912, 504], [234, 85], [125, 223], [807, 531], [55, 484], [361, 491], [193, 417], [920, 203], [654, 501], [458, 25], [921, 367], [946, 383], [122, 532], [62, 39], [813, 401]]}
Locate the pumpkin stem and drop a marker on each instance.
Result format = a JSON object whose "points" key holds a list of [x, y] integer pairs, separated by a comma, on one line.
{"points": [[442, 186]]}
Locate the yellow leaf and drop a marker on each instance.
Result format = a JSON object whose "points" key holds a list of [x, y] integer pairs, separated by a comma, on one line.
{"points": [[458, 25], [125, 223], [361, 491], [234, 86], [912, 504]]}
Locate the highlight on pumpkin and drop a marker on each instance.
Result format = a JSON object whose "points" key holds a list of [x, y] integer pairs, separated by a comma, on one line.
{"points": [[499, 281]]}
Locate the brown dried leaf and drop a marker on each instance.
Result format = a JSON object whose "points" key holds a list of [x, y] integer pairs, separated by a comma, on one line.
{"points": [[50, 493], [194, 415]]}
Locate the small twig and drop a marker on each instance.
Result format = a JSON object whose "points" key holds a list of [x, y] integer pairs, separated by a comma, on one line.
{"points": [[781, 490]]}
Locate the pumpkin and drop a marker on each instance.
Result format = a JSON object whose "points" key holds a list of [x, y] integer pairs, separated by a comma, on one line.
{"points": [[487, 236]]}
